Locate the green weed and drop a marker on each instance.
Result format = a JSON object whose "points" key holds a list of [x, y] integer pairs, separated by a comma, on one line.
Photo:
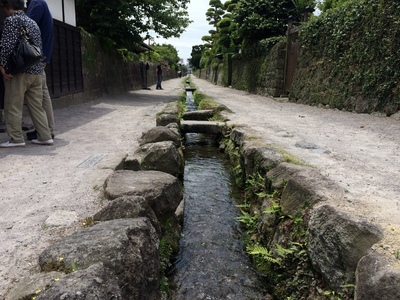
{"points": [[60, 266]]}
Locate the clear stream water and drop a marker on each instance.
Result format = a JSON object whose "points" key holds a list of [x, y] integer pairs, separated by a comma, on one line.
{"points": [[212, 263]]}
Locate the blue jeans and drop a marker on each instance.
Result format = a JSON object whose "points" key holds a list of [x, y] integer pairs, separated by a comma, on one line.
{"points": [[159, 79]]}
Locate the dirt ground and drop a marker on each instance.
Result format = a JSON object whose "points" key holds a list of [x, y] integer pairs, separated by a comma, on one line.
{"points": [[48, 191]]}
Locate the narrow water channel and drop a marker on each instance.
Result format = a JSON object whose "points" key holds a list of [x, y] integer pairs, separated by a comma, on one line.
{"points": [[212, 263]]}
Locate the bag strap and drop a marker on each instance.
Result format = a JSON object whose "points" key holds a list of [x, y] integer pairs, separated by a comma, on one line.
{"points": [[24, 32]]}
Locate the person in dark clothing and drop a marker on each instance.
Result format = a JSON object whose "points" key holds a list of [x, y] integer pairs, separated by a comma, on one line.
{"points": [[159, 76], [40, 13]]}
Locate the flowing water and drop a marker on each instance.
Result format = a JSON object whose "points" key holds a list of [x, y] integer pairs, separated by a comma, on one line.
{"points": [[212, 263]]}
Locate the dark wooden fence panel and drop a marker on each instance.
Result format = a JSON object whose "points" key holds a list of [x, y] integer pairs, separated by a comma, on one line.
{"points": [[64, 73], [292, 56]]}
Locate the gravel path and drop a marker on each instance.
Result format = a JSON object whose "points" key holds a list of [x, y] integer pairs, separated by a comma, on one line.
{"points": [[358, 151], [48, 191]]}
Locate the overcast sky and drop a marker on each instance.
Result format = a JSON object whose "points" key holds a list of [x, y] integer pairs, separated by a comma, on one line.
{"points": [[194, 32]]}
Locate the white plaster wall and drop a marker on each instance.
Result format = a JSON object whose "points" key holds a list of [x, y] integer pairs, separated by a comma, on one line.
{"points": [[69, 7], [56, 9]]}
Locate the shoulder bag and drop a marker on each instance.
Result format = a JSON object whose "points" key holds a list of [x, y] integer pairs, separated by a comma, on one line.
{"points": [[25, 54]]}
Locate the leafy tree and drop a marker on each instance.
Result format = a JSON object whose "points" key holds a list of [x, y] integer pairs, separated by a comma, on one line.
{"points": [[251, 25], [300, 5], [328, 4], [208, 39], [223, 38], [215, 12], [197, 52], [124, 22], [207, 58], [213, 16], [257, 20], [230, 5], [227, 40], [166, 53]]}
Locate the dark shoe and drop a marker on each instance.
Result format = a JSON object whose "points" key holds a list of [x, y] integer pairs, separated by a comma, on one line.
{"points": [[27, 127], [31, 135]]}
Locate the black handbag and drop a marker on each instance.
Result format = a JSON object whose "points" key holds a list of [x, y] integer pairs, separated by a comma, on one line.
{"points": [[25, 54]]}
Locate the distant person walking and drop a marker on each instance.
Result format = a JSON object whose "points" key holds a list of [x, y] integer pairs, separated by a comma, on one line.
{"points": [[40, 13], [159, 76], [25, 86]]}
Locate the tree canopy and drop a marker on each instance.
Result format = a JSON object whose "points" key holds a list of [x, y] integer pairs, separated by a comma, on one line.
{"points": [[197, 52], [215, 12], [166, 53], [127, 22], [248, 24], [328, 4], [258, 20]]}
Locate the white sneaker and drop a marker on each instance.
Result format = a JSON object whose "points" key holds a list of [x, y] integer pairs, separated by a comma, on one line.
{"points": [[11, 144], [47, 143]]}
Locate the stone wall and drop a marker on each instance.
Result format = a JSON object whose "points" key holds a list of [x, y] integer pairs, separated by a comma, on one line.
{"points": [[214, 75], [260, 75], [349, 57], [107, 73]]}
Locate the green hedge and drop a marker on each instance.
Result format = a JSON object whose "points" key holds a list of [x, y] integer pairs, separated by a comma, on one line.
{"points": [[350, 58]]}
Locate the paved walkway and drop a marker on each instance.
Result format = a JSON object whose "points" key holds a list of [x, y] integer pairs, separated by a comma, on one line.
{"points": [[47, 190]]}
